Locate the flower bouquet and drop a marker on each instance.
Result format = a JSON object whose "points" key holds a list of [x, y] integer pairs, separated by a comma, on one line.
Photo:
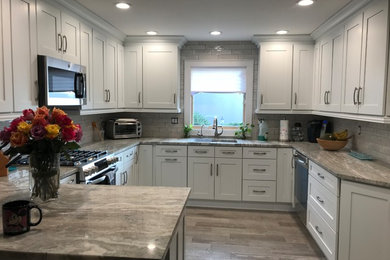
{"points": [[43, 134]]}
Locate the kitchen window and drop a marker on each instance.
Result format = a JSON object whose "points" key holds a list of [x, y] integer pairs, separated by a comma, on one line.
{"points": [[221, 89]]}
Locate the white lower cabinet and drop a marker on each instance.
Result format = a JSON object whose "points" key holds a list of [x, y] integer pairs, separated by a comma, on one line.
{"points": [[201, 177], [228, 179], [176, 248], [170, 165], [323, 209], [284, 176], [259, 190], [364, 222], [127, 171], [145, 165]]}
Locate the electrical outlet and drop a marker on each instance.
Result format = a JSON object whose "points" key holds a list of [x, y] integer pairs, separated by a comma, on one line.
{"points": [[174, 120]]}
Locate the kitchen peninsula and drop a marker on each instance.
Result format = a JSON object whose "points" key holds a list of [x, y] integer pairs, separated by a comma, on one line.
{"points": [[99, 222]]}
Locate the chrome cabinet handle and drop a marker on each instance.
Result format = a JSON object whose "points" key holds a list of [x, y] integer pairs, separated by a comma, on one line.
{"points": [[358, 96], [259, 153], [139, 97], [171, 160], [321, 176], [259, 170], [171, 151], [261, 99], [200, 151], [319, 199], [174, 98], [296, 97], [354, 96], [211, 169], [59, 38], [228, 152], [318, 230], [65, 40], [71, 181], [325, 97], [217, 169], [259, 191], [109, 96]]}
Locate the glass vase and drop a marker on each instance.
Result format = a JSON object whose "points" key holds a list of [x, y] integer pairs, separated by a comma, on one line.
{"points": [[44, 175]]}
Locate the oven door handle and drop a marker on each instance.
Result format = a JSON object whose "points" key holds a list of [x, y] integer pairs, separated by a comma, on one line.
{"points": [[98, 180]]}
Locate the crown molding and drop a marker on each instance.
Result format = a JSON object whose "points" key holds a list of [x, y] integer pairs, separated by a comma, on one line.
{"points": [[302, 38], [89, 16], [348, 10], [179, 40]]}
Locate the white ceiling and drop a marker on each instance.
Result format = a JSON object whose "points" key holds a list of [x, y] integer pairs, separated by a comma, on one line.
{"points": [[237, 19]]}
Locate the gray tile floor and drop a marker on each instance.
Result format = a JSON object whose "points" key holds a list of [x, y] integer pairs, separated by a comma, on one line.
{"points": [[216, 234]]}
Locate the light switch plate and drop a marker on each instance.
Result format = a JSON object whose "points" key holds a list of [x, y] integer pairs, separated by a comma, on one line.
{"points": [[174, 120]]}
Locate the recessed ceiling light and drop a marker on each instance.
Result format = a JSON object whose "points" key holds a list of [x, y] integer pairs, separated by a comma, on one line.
{"points": [[122, 5], [151, 33], [305, 2], [215, 33], [282, 32]]}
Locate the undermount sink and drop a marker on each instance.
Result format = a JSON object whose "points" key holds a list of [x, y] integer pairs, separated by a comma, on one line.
{"points": [[216, 140]]}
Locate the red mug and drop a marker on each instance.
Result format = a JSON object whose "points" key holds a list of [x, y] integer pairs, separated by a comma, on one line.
{"points": [[17, 216]]}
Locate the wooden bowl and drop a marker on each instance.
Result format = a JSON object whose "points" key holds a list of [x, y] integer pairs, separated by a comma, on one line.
{"points": [[332, 145]]}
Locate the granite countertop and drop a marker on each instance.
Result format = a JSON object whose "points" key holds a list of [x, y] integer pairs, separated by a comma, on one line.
{"points": [[338, 163], [96, 222]]}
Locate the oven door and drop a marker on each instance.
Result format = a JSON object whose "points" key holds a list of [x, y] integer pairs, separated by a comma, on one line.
{"points": [[300, 182], [105, 177]]}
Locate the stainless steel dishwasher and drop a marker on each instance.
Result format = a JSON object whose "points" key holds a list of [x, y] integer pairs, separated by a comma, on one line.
{"points": [[301, 176]]}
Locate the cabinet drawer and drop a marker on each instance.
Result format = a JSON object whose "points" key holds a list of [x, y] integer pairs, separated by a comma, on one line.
{"points": [[325, 202], [201, 151], [171, 150], [325, 237], [254, 169], [129, 154], [69, 180], [255, 153], [259, 191], [228, 152], [328, 180]]}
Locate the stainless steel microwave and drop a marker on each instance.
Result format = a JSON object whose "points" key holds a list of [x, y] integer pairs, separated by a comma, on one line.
{"points": [[123, 128], [61, 83]]}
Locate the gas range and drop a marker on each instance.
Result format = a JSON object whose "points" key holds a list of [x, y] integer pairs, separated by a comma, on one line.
{"points": [[73, 158]]}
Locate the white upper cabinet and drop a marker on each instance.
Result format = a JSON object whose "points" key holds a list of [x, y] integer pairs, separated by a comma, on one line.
{"points": [[6, 98], [365, 61], [100, 94], [86, 60], [302, 77], [58, 33], [151, 75], [160, 76], [111, 73], [330, 71], [120, 77], [133, 76], [275, 76]]}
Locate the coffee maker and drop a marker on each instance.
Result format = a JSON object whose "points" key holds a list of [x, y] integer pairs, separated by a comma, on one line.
{"points": [[314, 130]]}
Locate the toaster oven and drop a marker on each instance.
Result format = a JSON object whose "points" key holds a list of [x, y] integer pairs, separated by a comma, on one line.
{"points": [[123, 128]]}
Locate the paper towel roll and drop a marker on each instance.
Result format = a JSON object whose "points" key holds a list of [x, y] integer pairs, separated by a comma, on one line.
{"points": [[283, 130]]}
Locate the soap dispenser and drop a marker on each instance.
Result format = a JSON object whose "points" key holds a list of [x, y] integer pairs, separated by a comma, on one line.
{"points": [[263, 130]]}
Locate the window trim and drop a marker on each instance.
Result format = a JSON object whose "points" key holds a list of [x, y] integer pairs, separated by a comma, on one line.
{"points": [[248, 100]]}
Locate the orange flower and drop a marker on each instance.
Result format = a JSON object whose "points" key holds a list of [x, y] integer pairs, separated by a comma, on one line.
{"points": [[39, 120], [18, 139], [24, 127], [57, 112], [52, 130], [43, 111]]}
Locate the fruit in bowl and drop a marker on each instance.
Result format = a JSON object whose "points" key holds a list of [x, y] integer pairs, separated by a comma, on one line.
{"points": [[334, 141]]}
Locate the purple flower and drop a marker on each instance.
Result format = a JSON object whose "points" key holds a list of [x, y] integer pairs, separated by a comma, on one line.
{"points": [[5, 134], [38, 132]]}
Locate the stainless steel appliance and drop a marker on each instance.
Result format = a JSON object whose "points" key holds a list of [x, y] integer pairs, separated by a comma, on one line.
{"points": [[123, 128], [301, 176], [61, 83], [94, 167]]}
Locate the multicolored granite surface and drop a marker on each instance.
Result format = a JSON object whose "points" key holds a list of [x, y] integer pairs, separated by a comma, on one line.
{"points": [[96, 222]]}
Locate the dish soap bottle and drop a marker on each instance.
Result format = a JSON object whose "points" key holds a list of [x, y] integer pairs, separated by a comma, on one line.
{"points": [[263, 131]]}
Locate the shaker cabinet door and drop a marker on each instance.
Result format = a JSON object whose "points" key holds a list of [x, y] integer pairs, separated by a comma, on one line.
{"points": [[100, 94], [70, 32], [86, 60], [228, 179], [171, 171], [201, 177], [302, 77], [275, 76], [133, 76]]}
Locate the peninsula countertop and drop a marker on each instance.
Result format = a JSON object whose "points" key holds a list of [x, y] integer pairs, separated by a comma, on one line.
{"points": [[96, 222]]}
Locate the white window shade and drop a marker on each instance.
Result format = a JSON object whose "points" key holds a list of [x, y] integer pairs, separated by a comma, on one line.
{"points": [[218, 80]]}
